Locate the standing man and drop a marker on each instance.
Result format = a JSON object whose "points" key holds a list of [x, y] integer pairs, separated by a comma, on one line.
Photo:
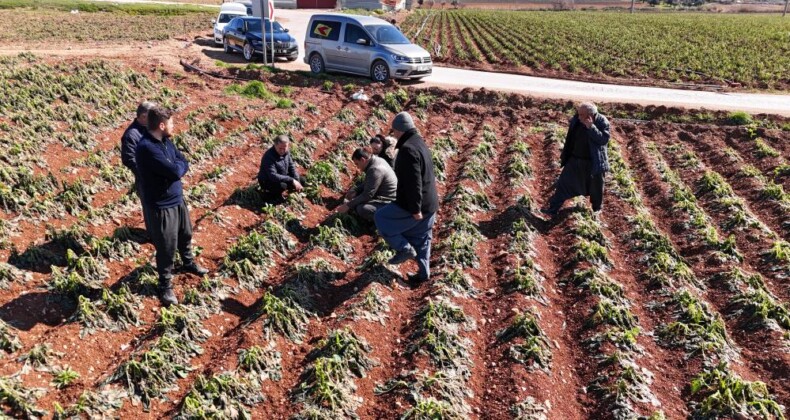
{"points": [[161, 168], [407, 223], [378, 189], [584, 159], [277, 173], [131, 137]]}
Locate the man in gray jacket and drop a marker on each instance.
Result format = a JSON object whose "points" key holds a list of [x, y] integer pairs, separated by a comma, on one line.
{"points": [[376, 191]]}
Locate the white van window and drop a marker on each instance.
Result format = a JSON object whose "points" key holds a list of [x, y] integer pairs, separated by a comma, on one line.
{"points": [[354, 33], [387, 34]]}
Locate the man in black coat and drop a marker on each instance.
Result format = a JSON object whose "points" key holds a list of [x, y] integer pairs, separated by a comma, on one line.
{"points": [[407, 224], [277, 172], [131, 137], [584, 160], [161, 167]]}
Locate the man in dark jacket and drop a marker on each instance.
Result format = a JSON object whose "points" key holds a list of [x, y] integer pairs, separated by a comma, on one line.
{"points": [[584, 159], [131, 137], [277, 173], [161, 166], [377, 190], [407, 223]]}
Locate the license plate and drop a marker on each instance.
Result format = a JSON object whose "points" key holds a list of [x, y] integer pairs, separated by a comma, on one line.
{"points": [[422, 68], [279, 51]]}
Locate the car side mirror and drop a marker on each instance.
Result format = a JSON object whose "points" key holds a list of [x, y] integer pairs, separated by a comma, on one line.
{"points": [[287, 30], [213, 21], [362, 41]]}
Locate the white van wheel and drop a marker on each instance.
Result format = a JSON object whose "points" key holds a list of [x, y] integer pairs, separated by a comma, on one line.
{"points": [[379, 71], [316, 63]]}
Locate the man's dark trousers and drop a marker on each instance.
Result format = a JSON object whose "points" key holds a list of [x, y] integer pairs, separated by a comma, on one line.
{"points": [[170, 230], [400, 229], [577, 179]]}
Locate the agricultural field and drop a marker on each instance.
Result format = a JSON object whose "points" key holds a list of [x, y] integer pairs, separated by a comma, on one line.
{"points": [[32, 22], [673, 304], [669, 49]]}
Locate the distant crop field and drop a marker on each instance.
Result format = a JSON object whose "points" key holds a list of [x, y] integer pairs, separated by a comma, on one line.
{"points": [[751, 51], [26, 25]]}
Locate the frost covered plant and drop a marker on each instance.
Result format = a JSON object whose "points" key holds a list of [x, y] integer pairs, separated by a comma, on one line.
{"points": [[283, 315], [532, 347], [262, 363], [9, 341], [20, 400], [727, 395], [333, 239], [40, 357], [222, 396], [373, 306]]}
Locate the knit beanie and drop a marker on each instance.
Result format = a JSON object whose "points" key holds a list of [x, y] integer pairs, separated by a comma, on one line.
{"points": [[403, 122]]}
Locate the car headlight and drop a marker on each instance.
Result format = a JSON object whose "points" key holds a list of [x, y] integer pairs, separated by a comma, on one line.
{"points": [[399, 58]]}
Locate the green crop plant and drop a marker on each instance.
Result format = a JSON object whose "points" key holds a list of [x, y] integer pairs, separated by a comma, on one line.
{"points": [[121, 306], [324, 173], [534, 349], [435, 333], [222, 396], [761, 309], [439, 165], [75, 197], [478, 171], [253, 90], [764, 150], [326, 385], [445, 145], [469, 201], [92, 405], [71, 283], [62, 378], [458, 283], [484, 150], [283, 316], [90, 315], [333, 239], [460, 250], [526, 278], [351, 349], [261, 363], [201, 195], [586, 227], [446, 385], [622, 385], [623, 339], [727, 395], [9, 340], [20, 400], [346, 116], [182, 322], [373, 307], [89, 267], [607, 312], [276, 236], [462, 222], [598, 284], [590, 251], [154, 372], [75, 238], [113, 248], [697, 329], [714, 183], [779, 252], [431, 408], [782, 170], [518, 167], [9, 274], [773, 191], [40, 357]]}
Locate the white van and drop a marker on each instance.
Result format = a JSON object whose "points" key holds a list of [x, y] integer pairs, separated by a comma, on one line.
{"points": [[227, 12]]}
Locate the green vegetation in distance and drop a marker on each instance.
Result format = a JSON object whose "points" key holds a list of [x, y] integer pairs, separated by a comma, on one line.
{"points": [[93, 7]]}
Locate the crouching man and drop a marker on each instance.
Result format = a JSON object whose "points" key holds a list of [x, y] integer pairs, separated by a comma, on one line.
{"points": [[277, 173], [377, 190]]}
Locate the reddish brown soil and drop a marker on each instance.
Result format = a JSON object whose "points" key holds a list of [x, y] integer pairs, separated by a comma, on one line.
{"points": [[496, 382]]}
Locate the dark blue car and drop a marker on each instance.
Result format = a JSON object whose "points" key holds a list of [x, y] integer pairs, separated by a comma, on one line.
{"points": [[244, 34]]}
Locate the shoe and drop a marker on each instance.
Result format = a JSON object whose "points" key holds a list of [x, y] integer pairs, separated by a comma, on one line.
{"points": [[403, 256], [166, 294], [414, 279], [194, 268]]}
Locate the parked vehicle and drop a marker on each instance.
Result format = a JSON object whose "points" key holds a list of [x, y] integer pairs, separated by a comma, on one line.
{"points": [[227, 12], [363, 45], [244, 34]]}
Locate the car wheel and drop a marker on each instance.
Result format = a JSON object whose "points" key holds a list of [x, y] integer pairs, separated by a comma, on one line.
{"points": [[316, 63], [249, 52], [379, 71], [226, 46]]}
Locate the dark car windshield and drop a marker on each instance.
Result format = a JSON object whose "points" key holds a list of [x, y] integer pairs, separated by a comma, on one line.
{"points": [[387, 34], [225, 18], [254, 25]]}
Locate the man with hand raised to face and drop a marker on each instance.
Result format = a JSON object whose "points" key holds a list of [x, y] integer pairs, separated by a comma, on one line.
{"points": [[160, 168], [583, 159]]}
